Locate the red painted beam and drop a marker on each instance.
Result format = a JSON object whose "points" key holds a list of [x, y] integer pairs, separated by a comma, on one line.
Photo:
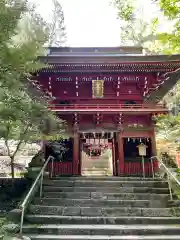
{"points": [[109, 108]]}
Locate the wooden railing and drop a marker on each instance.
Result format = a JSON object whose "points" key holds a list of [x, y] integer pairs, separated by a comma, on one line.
{"points": [[129, 168], [61, 168], [107, 106], [136, 169]]}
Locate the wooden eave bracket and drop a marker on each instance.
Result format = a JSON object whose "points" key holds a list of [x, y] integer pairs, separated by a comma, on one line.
{"points": [[171, 78]]}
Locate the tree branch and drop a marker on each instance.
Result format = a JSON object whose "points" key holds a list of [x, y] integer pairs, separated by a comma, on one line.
{"points": [[6, 140]]}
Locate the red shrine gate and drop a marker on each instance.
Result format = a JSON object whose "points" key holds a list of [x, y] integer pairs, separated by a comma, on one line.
{"points": [[108, 97]]}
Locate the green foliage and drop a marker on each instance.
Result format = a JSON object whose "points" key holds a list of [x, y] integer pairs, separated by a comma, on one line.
{"points": [[170, 39], [147, 32], [2, 221], [137, 32], [172, 98], [57, 27], [135, 29], [168, 126], [23, 34], [170, 8], [125, 9]]}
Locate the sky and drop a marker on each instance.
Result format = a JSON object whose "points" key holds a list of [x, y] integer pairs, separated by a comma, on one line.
{"points": [[89, 22]]}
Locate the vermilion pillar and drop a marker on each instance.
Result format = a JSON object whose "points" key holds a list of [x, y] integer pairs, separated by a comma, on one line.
{"points": [[121, 154], [76, 153], [114, 157]]}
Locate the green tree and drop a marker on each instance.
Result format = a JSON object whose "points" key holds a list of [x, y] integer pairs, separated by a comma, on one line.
{"points": [[23, 119], [23, 34], [168, 13], [125, 9], [57, 27], [167, 126], [138, 32], [135, 28], [171, 10]]}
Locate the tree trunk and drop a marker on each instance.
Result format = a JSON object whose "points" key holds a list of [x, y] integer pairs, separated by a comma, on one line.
{"points": [[12, 167], [11, 160]]}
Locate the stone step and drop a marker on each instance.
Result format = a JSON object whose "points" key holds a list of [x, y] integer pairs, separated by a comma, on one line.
{"points": [[109, 196], [106, 211], [104, 178], [99, 230], [107, 189], [95, 164], [97, 173], [107, 183], [99, 237], [97, 169], [124, 220], [102, 203]]}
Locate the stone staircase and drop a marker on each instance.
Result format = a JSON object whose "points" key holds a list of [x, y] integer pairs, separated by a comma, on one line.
{"points": [[96, 172], [100, 166], [103, 208]]}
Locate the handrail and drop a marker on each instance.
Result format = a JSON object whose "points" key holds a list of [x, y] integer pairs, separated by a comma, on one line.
{"points": [[27, 199], [169, 174]]}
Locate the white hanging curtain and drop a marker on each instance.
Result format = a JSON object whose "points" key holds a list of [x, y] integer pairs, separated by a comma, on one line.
{"points": [[97, 141], [106, 141], [91, 140]]}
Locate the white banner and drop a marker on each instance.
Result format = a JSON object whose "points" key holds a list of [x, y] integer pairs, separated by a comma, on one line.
{"points": [[91, 141]]}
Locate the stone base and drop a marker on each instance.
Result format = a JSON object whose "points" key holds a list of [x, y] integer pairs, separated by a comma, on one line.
{"points": [[15, 215], [8, 237]]}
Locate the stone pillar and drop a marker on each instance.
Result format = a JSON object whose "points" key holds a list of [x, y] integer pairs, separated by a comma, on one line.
{"points": [[121, 154], [76, 153]]}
